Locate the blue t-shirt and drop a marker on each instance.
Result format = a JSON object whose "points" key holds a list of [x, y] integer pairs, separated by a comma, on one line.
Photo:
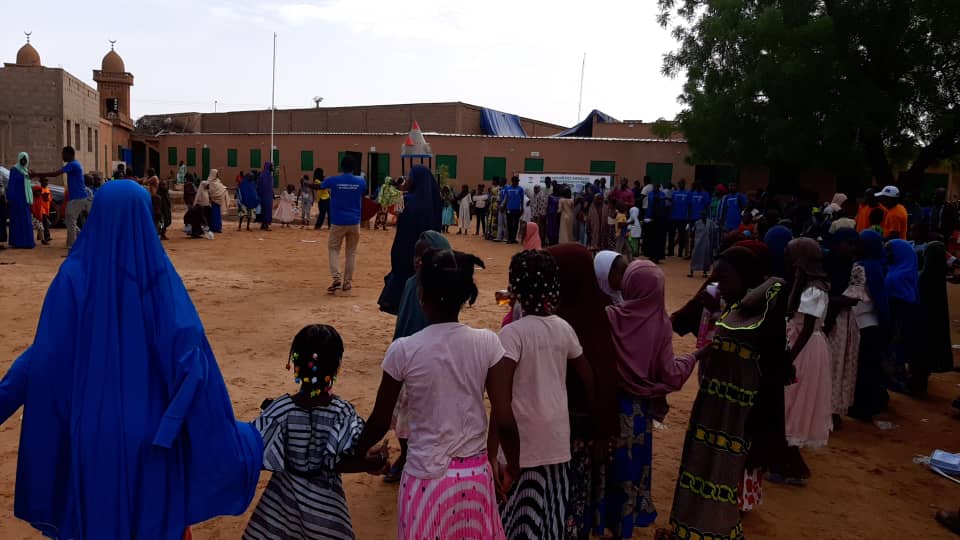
{"points": [[346, 198], [513, 197], [731, 206], [699, 201], [75, 184], [680, 211]]}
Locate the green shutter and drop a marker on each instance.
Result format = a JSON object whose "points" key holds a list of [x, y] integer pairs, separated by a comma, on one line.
{"points": [[533, 165], [603, 167], [306, 160], [231, 157], [276, 158], [255, 161], [191, 157], [450, 162], [171, 155], [661, 173], [494, 166], [383, 167], [205, 161]]}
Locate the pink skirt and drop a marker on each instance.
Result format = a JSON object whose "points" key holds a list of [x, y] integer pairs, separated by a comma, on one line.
{"points": [[808, 402], [460, 505]]}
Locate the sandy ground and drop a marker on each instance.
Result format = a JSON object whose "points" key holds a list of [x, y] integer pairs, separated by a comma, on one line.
{"points": [[255, 290]]}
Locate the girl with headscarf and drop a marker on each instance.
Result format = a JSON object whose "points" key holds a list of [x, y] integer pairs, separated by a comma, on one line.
{"points": [[531, 236], [542, 345], [776, 240], [904, 296], [594, 224], [736, 424], [19, 201], [583, 306], [936, 354], [218, 200], [872, 314], [808, 401], [116, 448], [843, 334], [609, 267], [265, 192], [421, 212], [643, 341], [410, 320]]}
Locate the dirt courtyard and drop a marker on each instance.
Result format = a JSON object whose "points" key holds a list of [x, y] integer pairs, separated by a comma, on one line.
{"points": [[255, 290]]}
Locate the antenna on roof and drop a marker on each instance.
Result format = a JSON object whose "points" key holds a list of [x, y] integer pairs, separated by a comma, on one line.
{"points": [[317, 100], [28, 36]]}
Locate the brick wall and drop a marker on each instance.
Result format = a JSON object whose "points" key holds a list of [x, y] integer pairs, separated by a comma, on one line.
{"points": [[31, 115], [81, 106]]}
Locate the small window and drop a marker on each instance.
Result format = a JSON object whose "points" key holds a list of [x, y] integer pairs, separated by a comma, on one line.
{"points": [[533, 165], [494, 166], [69, 134], [171, 155], [231, 157], [603, 167], [191, 157], [660, 173], [76, 131], [119, 152], [255, 160], [450, 162], [306, 160], [89, 139]]}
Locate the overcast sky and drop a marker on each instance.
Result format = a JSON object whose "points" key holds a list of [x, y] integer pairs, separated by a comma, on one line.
{"points": [[519, 56]]}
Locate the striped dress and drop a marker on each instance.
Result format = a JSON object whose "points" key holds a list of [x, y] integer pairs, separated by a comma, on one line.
{"points": [[304, 498]]}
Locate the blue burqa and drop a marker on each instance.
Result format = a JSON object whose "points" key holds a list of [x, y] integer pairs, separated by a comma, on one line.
{"points": [[776, 240], [902, 274], [422, 211], [411, 318], [265, 192], [21, 219], [128, 431], [248, 193]]}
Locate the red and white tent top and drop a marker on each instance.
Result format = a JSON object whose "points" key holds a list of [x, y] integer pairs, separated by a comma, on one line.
{"points": [[415, 145]]}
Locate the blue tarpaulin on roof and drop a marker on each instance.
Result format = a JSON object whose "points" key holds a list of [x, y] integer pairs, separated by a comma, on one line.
{"points": [[500, 124], [585, 128]]}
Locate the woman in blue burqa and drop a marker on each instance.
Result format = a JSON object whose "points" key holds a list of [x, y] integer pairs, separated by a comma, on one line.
{"points": [[422, 209], [265, 191], [20, 199], [128, 431]]}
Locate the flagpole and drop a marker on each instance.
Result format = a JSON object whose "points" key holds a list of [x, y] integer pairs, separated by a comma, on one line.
{"points": [[273, 93], [583, 67]]}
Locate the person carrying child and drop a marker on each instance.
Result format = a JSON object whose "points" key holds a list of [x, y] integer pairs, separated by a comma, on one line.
{"points": [[447, 488], [542, 345], [309, 439]]}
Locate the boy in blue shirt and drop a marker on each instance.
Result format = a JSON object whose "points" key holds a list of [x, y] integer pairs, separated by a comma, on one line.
{"points": [[730, 209], [346, 199], [78, 201], [680, 218], [513, 198]]}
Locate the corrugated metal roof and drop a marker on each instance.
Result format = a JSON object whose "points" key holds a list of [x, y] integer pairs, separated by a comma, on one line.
{"points": [[402, 134]]}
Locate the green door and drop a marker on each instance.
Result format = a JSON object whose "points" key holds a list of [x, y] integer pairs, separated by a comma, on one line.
{"points": [[660, 173], [205, 162]]}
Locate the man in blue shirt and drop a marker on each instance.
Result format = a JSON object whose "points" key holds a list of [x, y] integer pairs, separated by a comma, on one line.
{"points": [[731, 206], [346, 199], [513, 197], [78, 201], [680, 218]]}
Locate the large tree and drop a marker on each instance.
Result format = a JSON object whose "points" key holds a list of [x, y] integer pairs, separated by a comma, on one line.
{"points": [[854, 87]]}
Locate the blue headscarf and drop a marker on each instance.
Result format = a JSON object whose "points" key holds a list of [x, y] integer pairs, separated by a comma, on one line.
{"points": [[248, 192], [422, 211], [411, 319], [902, 275], [776, 240], [872, 261], [128, 431], [265, 192]]}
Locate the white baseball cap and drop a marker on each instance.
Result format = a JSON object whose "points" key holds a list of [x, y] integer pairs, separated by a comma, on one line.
{"points": [[889, 191]]}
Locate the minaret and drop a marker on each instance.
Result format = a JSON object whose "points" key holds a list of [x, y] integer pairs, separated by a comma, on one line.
{"points": [[113, 83]]}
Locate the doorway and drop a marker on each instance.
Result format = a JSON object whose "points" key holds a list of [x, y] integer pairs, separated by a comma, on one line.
{"points": [[378, 168]]}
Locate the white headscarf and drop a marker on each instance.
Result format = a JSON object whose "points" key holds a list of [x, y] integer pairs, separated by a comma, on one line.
{"points": [[602, 264], [218, 191]]}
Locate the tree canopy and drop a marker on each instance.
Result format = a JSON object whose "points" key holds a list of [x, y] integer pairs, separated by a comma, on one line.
{"points": [[855, 87]]}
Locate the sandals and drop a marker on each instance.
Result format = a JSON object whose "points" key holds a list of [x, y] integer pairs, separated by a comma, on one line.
{"points": [[337, 284], [394, 475], [950, 520], [347, 287]]}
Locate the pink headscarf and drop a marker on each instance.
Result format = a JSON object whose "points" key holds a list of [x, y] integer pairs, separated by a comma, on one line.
{"points": [[532, 238], [643, 335]]}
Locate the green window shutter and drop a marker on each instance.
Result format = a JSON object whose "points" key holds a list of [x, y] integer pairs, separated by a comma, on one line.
{"points": [[533, 165], [276, 158], [603, 167], [191, 157], [205, 161], [450, 162], [306, 160], [255, 160], [494, 166], [231, 157], [171, 155], [383, 167], [661, 173]]}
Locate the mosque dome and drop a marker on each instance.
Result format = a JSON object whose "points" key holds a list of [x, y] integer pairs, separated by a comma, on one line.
{"points": [[112, 63], [28, 56]]}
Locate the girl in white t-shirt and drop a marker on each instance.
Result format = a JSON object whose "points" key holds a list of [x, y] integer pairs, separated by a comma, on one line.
{"points": [[447, 488], [542, 345]]}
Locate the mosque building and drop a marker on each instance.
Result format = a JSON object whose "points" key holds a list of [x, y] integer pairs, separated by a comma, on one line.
{"points": [[43, 109]]}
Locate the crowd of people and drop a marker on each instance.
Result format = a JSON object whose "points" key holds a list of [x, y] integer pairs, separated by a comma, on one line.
{"points": [[810, 313]]}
